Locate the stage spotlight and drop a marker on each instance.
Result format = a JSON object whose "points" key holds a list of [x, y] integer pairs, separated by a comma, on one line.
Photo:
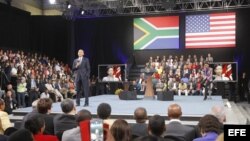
{"points": [[82, 12], [68, 4], [52, 1]]}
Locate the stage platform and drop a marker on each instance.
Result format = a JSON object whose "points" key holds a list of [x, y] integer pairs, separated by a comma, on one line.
{"points": [[193, 107]]}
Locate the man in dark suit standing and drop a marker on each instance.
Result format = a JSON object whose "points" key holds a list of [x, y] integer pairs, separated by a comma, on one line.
{"points": [[81, 70]]}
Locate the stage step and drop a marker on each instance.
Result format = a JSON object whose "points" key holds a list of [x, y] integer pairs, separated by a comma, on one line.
{"points": [[234, 114], [134, 72], [245, 113]]}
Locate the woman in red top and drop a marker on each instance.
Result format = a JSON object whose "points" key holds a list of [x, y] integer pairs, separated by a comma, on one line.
{"points": [[36, 125]]}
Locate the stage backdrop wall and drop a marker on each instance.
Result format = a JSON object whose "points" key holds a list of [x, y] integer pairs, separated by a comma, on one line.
{"points": [[107, 40], [48, 35], [110, 40]]}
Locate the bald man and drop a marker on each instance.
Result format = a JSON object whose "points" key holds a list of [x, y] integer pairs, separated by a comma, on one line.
{"points": [[81, 70], [175, 127]]}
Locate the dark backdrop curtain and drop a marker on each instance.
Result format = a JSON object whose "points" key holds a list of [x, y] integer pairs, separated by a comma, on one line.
{"points": [[50, 36], [105, 40], [14, 28]]}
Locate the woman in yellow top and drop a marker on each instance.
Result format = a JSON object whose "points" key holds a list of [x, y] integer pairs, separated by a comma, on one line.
{"points": [[4, 118]]}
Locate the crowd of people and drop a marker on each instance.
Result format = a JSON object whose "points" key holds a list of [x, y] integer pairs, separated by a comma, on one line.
{"points": [[30, 76], [183, 76], [40, 125]]}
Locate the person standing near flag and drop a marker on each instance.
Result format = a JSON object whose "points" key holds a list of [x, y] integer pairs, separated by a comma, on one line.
{"points": [[81, 70]]}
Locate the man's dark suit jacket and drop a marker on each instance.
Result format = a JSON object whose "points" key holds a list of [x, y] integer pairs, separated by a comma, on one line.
{"points": [[49, 125], [175, 128], [64, 122], [83, 70], [139, 129]]}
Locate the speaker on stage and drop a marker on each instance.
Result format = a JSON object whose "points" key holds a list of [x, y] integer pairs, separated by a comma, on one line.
{"points": [[165, 96], [128, 95]]}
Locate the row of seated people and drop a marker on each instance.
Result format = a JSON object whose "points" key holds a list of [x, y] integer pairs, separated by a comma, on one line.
{"points": [[194, 86], [29, 73], [65, 126], [184, 78], [27, 92], [175, 62]]}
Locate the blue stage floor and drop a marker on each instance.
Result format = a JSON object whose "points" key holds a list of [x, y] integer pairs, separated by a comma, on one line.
{"points": [[193, 107]]}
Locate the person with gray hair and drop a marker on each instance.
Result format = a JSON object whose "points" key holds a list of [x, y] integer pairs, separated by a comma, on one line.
{"points": [[67, 120], [74, 134], [219, 112], [31, 114]]}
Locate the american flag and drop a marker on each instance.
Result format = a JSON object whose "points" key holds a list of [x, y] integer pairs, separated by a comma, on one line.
{"points": [[210, 30]]}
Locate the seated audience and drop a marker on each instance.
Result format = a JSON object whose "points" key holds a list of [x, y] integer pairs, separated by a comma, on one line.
{"points": [[74, 134], [4, 118], [209, 127], [182, 88], [10, 131], [36, 126], [67, 120], [140, 127], [45, 94], [104, 112], [121, 130], [175, 127], [156, 127], [32, 113], [10, 103], [21, 134], [219, 112], [220, 137]]}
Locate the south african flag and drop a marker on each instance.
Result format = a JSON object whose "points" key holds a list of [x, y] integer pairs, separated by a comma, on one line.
{"points": [[156, 33]]}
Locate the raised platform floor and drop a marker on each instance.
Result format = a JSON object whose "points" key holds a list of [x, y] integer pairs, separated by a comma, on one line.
{"points": [[193, 107]]}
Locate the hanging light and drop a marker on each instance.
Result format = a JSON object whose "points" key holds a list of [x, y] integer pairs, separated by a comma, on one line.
{"points": [[52, 1]]}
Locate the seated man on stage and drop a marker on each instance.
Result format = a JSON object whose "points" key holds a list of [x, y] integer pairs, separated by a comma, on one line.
{"points": [[182, 88], [110, 76]]}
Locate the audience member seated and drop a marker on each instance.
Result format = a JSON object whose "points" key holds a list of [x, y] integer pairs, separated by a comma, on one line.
{"points": [[156, 127], [74, 134], [209, 127], [21, 134], [32, 113], [220, 137], [140, 86], [104, 112], [146, 138], [219, 112], [10, 103], [54, 93], [45, 94], [3, 138], [33, 89], [140, 127], [121, 130], [159, 87], [44, 106], [182, 88], [36, 126], [4, 118], [67, 120], [9, 131], [175, 127]]}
